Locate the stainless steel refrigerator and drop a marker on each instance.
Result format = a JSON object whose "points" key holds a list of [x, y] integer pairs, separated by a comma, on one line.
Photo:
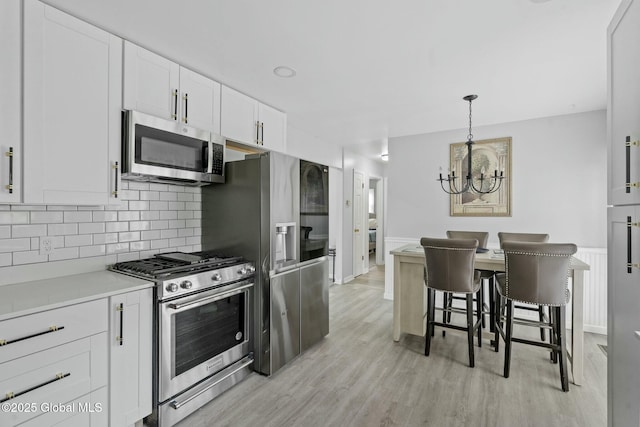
{"points": [[255, 214], [623, 267]]}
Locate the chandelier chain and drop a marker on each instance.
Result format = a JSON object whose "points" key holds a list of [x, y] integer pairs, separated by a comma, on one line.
{"points": [[470, 136]]}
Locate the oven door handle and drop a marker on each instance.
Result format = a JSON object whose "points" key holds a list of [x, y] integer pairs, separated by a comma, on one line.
{"points": [[177, 405], [211, 298]]}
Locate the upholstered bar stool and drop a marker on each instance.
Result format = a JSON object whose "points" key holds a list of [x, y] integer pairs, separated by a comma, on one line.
{"points": [[482, 237], [449, 268], [534, 238], [536, 273]]}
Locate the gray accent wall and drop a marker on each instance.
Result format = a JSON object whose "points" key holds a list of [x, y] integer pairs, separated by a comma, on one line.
{"points": [[559, 181]]}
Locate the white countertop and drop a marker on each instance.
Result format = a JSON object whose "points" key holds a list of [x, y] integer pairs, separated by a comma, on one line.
{"points": [[29, 297]]}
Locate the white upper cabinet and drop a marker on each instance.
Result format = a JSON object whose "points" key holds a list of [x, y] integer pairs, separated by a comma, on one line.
{"points": [[11, 103], [160, 87], [150, 83], [72, 103], [248, 121], [624, 108]]}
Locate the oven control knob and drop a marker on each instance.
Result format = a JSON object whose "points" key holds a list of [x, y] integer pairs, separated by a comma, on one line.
{"points": [[186, 284], [251, 269], [172, 287], [242, 271], [216, 277]]}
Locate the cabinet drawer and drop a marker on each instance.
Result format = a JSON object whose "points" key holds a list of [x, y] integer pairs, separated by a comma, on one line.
{"points": [[52, 377], [85, 411], [27, 334]]}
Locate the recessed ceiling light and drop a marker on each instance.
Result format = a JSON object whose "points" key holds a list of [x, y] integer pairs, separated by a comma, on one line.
{"points": [[539, 1], [385, 156], [284, 71]]}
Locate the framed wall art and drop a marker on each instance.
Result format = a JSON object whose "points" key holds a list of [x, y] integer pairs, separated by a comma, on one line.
{"points": [[490, 155]]}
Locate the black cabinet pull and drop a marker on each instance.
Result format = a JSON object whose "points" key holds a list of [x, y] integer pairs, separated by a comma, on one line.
{"points": [[120, 338], [186, 108], [258, 132], [11, 395], [628, 164], [261, 133], [9, 154], [115, 176], [174, 116], [48, 331], [629, 263]]}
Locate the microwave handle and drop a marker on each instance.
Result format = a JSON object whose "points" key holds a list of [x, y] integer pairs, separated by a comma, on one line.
{"points": [[210, 157]]}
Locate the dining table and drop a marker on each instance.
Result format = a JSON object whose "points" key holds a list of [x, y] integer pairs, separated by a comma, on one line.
{"points": [[410, 298]]}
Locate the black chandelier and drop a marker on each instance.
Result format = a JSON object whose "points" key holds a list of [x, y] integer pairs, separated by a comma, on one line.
{"points": [[480, 184]]}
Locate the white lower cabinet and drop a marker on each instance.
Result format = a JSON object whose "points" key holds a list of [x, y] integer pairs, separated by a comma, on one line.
{"points": [[130, 342], [86, 364]]}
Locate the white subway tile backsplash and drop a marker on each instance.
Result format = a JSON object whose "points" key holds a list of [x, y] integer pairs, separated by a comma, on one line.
{"points": [[128, 216], [185, 232], [129, 236], [95, 250], [14, 217], [63, 253], [149, 218], [28, 208], [130, 195], [28, 230], [62, 208], [100, 239], [91, 227], [193, 223], [138, 185], [185, 197], [79, 216], [46, 217], [171, 197], [159, 225], [5, 260], [149, 195], [62, 229], [168, 234], [136, 205], [116, 226], [159, 244], [129, 256], [178, 223], [168, 215], [185, 214], [179, 241], [160, 187], [139, 225], [150, 235], [29, 257], [106, 216], [78, 240], [14, 245], [142, 245], [194, 240], [159, 206], [115, 248], [149, 215]]}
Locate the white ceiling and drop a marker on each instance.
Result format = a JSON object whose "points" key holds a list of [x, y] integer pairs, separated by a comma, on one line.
{"points": [[368, 70]]}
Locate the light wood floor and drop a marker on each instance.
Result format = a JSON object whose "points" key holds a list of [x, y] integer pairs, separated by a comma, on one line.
{"points": [[357, 376]]}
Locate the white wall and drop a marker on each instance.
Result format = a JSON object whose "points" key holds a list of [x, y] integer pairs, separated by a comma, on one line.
{"points": [[351, 162], [308, 147], [558, 181]]}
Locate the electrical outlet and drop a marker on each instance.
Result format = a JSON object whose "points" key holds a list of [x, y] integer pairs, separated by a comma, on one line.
{"points": [[46, 245]]}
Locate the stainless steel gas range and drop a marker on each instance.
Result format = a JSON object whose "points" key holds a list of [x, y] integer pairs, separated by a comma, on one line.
{"points": [[202, 323]]}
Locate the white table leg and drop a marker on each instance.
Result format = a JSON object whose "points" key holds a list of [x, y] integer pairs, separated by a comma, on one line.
{"points": [[577, 334]]}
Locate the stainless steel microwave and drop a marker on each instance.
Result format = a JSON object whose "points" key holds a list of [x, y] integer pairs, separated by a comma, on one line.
{"points": [[159, 150]]}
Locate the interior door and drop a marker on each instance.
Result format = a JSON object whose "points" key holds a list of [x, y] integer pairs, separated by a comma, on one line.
{"points": [[358, 223]]}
